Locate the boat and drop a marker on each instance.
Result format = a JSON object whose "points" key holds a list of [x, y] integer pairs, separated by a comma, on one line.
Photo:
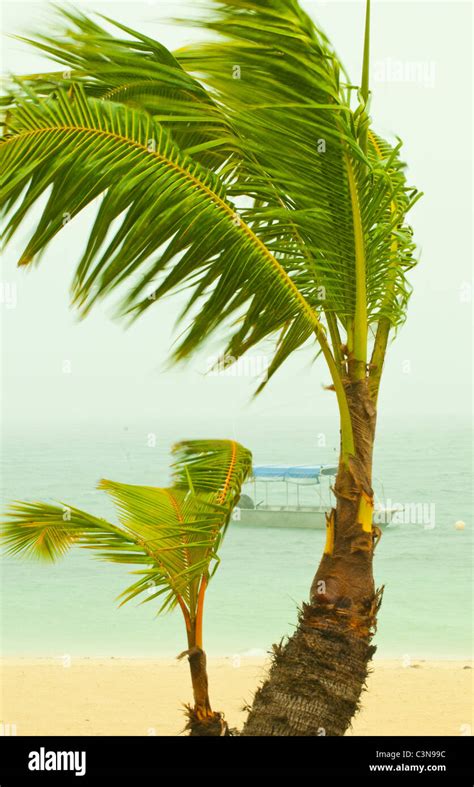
{"points": [[298, 497]]}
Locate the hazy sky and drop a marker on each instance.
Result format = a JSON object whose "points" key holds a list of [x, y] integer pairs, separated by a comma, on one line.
{"points": [[56, 369]]}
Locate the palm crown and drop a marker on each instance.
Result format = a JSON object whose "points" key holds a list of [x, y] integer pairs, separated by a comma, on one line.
{"points": [[245, 169], [171, 534]]}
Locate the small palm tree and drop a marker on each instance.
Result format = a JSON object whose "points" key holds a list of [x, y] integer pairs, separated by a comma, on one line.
{"points": [[171, 534], [248, 170]]}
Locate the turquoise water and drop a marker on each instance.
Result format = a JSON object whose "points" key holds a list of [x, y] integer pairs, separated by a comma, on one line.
{"points": [[70, 608]]}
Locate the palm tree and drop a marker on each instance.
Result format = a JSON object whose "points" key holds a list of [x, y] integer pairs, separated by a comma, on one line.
{"points": [[172, 535], [247, 170]]}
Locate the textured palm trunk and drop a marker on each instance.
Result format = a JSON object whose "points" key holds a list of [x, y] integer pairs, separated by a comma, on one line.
{"points": [[317, 676], [201, 719]]}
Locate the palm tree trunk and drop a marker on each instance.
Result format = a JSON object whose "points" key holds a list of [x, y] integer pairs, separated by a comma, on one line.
{"points": [[201, 719], [317, 676]]}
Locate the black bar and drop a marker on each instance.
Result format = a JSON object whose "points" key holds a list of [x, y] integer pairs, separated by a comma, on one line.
{"points": [[435, 758]]}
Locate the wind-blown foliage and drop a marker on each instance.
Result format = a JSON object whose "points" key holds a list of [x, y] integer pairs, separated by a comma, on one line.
{"points": [[245, 169], [171, 534]]}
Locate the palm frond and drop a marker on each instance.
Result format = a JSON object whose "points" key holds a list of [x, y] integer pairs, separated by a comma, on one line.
{"points": [[217, 467], [178, 529], [80, 148], [234, 168], [171, 534], [134, 70], [301, 152], [46, 532]]}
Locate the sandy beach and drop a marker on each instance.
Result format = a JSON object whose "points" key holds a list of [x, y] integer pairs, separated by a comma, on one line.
{"points": [[116, 696]]}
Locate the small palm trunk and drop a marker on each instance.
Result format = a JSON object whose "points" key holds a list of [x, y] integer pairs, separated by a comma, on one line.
{"points": [[202, 720]]}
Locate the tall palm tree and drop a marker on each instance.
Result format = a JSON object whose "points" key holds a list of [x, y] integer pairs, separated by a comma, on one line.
{"points": [[171, 534], [247, 170]]}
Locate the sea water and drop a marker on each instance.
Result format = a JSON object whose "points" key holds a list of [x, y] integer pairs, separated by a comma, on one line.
{"points": [[69, 608]]}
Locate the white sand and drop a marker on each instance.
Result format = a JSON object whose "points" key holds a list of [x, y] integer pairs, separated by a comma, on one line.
{"points": [[145, 697]]}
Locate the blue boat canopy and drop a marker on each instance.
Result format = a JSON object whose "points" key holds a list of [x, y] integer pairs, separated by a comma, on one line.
{"points": [[304, 473]]}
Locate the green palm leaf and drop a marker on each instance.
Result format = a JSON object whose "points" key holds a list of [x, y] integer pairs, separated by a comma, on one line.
{"points": [[136, 71], [46, 532], [269, 196], [216, 467], [301, 131], [173, 533], [82, 148]]}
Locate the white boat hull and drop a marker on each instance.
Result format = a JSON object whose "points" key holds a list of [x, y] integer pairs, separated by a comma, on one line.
{"points": [[300, 519]]}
